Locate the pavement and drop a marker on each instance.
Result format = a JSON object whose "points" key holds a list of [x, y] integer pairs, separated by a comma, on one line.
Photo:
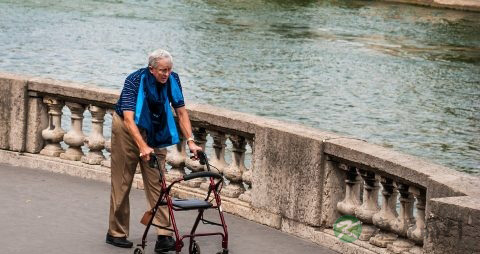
{"points": [[45, 212]]}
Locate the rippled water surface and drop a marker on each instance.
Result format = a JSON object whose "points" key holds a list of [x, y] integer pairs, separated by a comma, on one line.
{"points": [[400, 76]]}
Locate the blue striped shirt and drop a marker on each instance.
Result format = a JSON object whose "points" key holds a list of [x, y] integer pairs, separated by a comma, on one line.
{"points": [[128, 97]]}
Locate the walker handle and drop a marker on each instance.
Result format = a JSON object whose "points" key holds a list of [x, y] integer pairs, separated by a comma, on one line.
{"points": [[153, 162], [202, 157], [202, 174]]}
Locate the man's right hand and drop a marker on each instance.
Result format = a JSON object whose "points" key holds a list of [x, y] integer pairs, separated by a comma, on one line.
{"points": [[145, 153], [145, 150]]}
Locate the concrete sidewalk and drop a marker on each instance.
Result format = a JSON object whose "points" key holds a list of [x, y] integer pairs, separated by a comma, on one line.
{"points": [[44, 212]]}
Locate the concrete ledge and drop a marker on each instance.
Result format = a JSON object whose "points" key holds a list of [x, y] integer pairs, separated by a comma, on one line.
{"points": [[64, 89], [326, 237], [56, 165], [76, 92], [247, 124]]}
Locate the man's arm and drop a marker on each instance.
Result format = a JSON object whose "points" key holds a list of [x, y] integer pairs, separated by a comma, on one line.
{"points": [[186, 129], [128, 120]]}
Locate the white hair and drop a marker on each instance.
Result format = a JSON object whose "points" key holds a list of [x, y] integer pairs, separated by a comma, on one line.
{"points": [[157, 55]]}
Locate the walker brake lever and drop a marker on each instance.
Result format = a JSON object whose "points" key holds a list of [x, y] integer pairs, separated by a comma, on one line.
{"points": [[153, 162], [202, 156]]}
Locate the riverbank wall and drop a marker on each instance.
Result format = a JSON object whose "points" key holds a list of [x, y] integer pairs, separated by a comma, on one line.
{"points": [[290, 177], [465, 5]]}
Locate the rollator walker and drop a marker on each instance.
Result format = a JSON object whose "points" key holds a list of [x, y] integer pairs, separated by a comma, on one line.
{"points": [[216, 183]]}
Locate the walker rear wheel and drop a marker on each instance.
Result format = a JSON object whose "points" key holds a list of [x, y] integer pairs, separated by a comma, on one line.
{"points": [[138, 251]]}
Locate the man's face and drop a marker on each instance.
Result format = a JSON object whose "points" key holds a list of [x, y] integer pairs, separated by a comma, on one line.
{"points": [[162, 71]]}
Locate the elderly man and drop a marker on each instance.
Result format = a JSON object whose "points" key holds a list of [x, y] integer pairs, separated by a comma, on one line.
{"points": [[143, 124]]}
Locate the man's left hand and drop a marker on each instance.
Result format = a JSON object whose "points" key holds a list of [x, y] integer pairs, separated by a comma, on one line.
{"points": [[194, 148]]}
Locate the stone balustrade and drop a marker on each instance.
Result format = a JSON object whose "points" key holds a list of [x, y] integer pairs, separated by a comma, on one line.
{"points": [[233, 172], [389, 193], [383, 226], [55, 98], [299, 180]]}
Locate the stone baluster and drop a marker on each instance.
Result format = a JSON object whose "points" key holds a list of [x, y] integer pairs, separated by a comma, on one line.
{"points": [[95, 141], [351, 202], [217, 161], [108, 145], [74, 138], [53, 134], [200, 136], [370, 204], [247, 179], [386, 216], [417, 231], [404, 221], [176, 158], [234, 172]]}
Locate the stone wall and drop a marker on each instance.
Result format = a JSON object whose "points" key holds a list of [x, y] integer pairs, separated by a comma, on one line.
{"points": [[300, 179]]}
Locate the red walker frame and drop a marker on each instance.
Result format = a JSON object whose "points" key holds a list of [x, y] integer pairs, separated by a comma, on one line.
{"points": [[185, 205]]}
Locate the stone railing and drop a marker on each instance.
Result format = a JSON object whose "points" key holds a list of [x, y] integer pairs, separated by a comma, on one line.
{"points": [[382, 226], [238, 177], [408, 219], [297, 179]]}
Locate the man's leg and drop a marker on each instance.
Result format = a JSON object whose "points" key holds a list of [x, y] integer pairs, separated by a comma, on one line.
{"points": [[125, 157], [151, 180]]}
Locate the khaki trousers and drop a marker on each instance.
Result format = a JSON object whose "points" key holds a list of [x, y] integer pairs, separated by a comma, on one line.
{"points": [[125, 158]]}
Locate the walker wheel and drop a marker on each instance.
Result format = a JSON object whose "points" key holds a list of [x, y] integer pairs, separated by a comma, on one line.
{"points": [[196, 248], [138, 251]]}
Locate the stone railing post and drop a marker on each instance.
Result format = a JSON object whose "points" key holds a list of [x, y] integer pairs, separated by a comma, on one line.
{"points": [[387, 214], [218, 159], [370, 204], [74, 137], [247, 179], [95, 141], [417, 231], [234, 172], [108, 145], [404, 220], [37, 121], [176, 158], [53, 135], [333, 191], [200, 136], [351, 202]]}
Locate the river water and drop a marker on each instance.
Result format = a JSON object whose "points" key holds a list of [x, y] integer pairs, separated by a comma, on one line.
{"points": [[404, 77]]}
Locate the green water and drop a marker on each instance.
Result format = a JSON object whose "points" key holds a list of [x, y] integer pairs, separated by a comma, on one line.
{"points": [[400, 76]]}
